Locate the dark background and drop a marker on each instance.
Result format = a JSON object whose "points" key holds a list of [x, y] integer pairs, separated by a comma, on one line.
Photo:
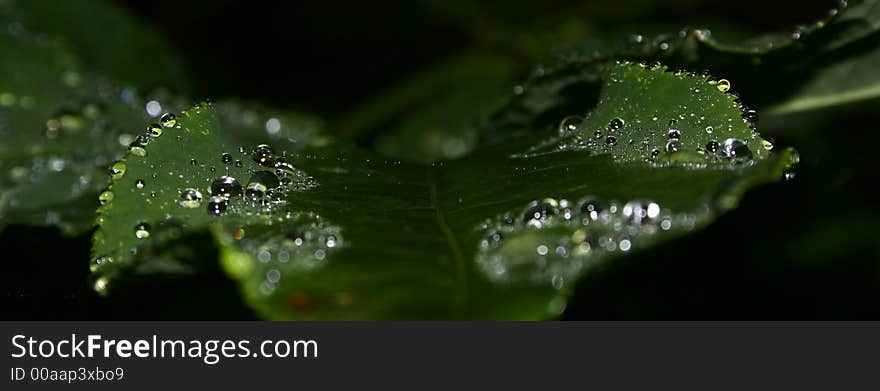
{"points": [[802, 249]]}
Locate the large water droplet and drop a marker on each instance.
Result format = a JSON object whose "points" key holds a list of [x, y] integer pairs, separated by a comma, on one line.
{"points": [[226, 187], [190, 198], [154, 130], [735, 149], [263, 155], [168, 120]]}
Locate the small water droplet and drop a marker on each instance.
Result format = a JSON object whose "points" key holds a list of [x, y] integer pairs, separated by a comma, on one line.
{"points": [[142, 231], [672, 145], [673, 133], [226, 158], [139, 183], [767, 144], [569, 124], [190, 198], [712, 147], [106, 197], [117, 170], [723, 85], [168, 120], [611, 140], [750, 115], [217, 206], [616, 124]]}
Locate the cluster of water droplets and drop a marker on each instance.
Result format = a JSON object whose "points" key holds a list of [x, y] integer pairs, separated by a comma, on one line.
{"points": [[307, 242], [661, 139], [551, 242]]}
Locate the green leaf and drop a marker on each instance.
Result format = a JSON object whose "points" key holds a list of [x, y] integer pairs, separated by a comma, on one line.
{"points": [[504, 233], [63, 125], [763, 68]]}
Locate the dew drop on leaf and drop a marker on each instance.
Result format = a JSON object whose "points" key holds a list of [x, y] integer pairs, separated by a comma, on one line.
{"points": [[712, 147], [723, 85], [154, 130], [142, 231], [106, 197], [263, 155], [190, 198], [168, 120], [226, 187], [217, 206], [139, 183], [735, 149], [117, 170]]}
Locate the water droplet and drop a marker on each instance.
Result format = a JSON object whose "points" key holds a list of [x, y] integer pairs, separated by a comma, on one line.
{"points": [[142, 231], [168, 120], [284, 169], [735, 149], [673, 133], [193, 162], [615, 124], [712, 147], [723, 85], [226, 187], [710, 129], [591, 208], [105, 197], [154, 130], [655, 152], [495, 238], [190, 198], [569, 124], [117, 170], [138, 146], [263, 155], [750, 115], [767, 144], [539, 211], [139, 183], [217, 206], [611, 140], [672, 145], [226, 158], [239, 164], [267, 179]]}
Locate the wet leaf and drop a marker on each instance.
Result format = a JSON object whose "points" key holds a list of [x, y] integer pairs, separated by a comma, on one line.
{"points": [[63, 125], [763, 67], [504, 233]]}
